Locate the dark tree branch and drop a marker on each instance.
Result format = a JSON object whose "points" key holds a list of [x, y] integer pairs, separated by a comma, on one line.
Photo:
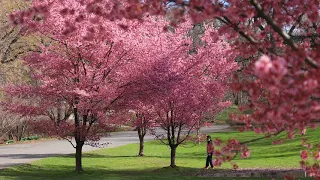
{"points": [[285, 36], [70, 141]]}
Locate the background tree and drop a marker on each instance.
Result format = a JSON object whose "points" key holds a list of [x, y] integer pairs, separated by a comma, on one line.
{"points": [[143, 121], [13, 45]]}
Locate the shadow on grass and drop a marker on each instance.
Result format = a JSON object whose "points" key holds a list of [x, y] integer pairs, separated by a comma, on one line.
{"points": [[28, 156], [294, 151], [189, 155], [33, 172], [186, 155], [67, 172]]}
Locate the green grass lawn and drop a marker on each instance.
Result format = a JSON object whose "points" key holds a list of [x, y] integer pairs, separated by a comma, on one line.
{"points": [[122, 163], [223, 117]]}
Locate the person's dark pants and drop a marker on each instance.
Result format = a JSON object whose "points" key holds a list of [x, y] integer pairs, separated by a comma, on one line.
{"points": [[209, 160]]}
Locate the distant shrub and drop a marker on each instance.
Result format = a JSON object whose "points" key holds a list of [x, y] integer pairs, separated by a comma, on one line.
{"points": [[9, 141], [30, 138]]}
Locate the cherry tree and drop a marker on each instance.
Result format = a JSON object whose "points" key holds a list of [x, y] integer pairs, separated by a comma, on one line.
{"points": [[176, 84], [74, 84], [143, 120], [136, 114], [78, 75]]}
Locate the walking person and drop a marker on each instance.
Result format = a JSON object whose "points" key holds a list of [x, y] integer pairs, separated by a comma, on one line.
{"points": [[210, 150]]}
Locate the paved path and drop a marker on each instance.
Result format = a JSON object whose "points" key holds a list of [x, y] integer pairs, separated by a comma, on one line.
{"points": [[25, 153]]}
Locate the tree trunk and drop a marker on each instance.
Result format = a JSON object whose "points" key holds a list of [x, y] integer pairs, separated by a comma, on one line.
{"points": [[20, 132], [79, 156], [79, 140], [236, 98], [141, 139], [173, 156], [141, 146], [198, 136], [198, 132]]}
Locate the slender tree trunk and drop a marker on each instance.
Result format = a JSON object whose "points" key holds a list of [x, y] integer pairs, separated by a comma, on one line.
{"points": [[79, 140], [173, 157], [79, 156], [20, 132], [236, 98], [198, 135], [141, 153], [17, 133], [198, 132], [141, 134]]}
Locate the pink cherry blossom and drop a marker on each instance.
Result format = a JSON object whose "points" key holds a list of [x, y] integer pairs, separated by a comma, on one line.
{"points": [[316, 155], [245, 154], [263, 66], [304, 154]]}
